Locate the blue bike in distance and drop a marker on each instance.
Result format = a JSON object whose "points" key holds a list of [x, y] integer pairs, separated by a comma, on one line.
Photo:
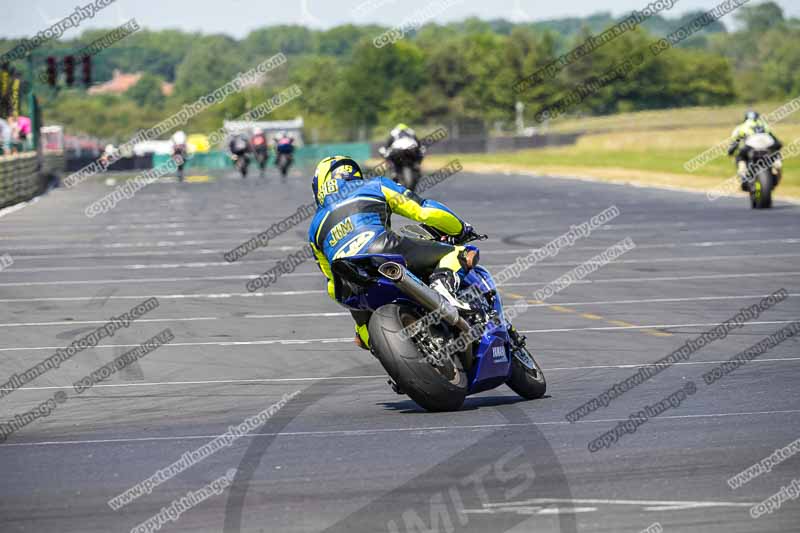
{"points": [[435, 353]]}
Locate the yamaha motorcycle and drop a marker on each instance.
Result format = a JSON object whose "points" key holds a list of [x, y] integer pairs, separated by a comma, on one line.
{"points": [[434, 352], [405, 156], [764, 169]]}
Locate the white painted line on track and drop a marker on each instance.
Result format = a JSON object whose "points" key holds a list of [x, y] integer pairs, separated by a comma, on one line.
{"points": [[207, 382], [213, 264], [80, 322], [379, 431], [679, 363], [139, 281], [345, 313], [651, 326], [214, 343], [18, 206], [223, 295], [377, 376], [147, 253], [487, 251], [657, 278], [661, 505], [350, 339], [659, 300], [131, 280]]}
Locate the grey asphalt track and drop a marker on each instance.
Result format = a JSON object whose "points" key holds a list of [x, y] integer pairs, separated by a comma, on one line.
{"points": [[347, 454]]}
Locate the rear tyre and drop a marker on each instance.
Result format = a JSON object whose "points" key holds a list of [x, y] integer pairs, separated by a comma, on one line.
{"points": [[527, 378], [434, 389]]}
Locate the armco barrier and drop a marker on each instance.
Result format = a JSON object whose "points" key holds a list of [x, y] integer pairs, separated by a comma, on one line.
{"points": [[22, 176]]}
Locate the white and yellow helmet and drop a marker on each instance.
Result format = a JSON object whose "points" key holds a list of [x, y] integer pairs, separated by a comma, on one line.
{"points": [[330, 174]]}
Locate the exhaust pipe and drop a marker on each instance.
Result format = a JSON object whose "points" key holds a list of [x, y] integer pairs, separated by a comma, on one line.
{"points": [[421, 293]]}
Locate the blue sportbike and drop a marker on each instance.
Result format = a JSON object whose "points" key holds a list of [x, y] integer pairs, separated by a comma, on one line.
{"points": [[435, 352]]}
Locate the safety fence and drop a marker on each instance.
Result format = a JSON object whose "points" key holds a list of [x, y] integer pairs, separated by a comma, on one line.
{"points": [[23, 176]]}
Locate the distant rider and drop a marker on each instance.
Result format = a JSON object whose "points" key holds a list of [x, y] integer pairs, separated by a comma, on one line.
{"points": [[239, 145], [753, 123], [401, 144], [284, 144], [400, 131], [259, 142], [179, 144]]}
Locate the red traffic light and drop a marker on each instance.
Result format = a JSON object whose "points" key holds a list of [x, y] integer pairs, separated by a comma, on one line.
{"points": [[87, 70], [52, 71], [69, 70]]}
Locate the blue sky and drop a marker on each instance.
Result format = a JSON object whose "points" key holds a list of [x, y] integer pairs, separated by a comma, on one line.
{"points": [[238, 17]]}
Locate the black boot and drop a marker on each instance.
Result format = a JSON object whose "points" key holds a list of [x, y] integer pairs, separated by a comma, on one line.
{"points": [[446, 283]]}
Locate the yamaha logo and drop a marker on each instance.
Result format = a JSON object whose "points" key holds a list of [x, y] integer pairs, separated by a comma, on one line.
{"points": [[499, 354]]}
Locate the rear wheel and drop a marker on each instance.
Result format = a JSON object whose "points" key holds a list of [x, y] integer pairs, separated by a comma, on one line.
{"points": [[435, 388], [527, 378]]}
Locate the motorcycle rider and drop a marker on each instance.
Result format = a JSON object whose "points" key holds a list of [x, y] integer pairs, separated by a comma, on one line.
{"points": [[179, 150], [353, 216], [284, 146], [239, 145], [259, 143], [753, 123], [110, 153], [284, 143], [401, 131]]}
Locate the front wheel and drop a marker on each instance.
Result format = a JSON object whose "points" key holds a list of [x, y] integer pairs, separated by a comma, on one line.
{"points": [[527, 378], [433, 388], [761, 191], [409, 178]]}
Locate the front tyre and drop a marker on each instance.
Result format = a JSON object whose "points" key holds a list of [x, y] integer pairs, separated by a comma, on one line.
{"points": [[433, 388], [761, 191], [409, 178], [527, 378]]}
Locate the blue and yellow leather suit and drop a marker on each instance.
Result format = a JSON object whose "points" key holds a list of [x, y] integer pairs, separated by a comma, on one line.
{"points": [[353, 216]]}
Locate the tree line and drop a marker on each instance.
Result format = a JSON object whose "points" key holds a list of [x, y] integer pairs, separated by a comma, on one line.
{"points": [[462, 71]]}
